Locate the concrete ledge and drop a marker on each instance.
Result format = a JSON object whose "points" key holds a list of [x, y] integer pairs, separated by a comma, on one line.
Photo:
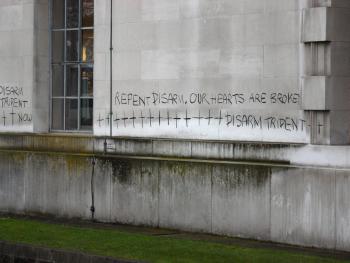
{"points": [[147, 147], [72, 144]]}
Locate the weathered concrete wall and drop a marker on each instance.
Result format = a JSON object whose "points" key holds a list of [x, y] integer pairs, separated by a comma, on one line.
{"points": [[290, 204]]}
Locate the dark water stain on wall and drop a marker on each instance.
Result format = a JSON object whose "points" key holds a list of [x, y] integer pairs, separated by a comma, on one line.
{"points": [[121, 168], [239, 177]]}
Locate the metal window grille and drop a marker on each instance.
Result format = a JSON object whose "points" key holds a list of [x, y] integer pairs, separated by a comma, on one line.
{"points": [[71, 70]]}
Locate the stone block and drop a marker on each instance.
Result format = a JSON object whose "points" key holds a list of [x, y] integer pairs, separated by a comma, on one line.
{"points": [[325, 24], [314, 25], [326, 93], [317, 59], [12, 182], [242, 61], [101, 39], [303, 207], [282, 27], [134, 187], [126, 11], [241, 201], [159, 64], [338, 25], [102, 13], [185, 196], [343, 210], [212, 150], [77, 188], [281, 60], [207, 8], [339, 127], [100, 71], [153, 10], [179, 149], [314, 92], [340, 62], [281, 5], [339, 3], [127, 65], [133, 147], [49, 194]]}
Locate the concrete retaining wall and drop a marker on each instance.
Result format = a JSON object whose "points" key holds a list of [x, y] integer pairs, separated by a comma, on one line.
{"points": [[297, 205]]}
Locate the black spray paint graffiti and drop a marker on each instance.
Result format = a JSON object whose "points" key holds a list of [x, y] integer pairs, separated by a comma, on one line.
{"points": [[156, 98], [14, 106], [11, 91], [12, 118], [6, 102], [149, 119], [12, 97]]}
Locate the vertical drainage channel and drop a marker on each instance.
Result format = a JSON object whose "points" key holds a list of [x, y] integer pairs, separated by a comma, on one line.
{"points": [[105, 146], [111, 73], [92, 208]]}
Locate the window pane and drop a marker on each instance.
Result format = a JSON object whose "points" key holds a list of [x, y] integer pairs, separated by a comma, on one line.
{"points": [[86, 114], [57, 46], [72, 13], [71, 114], [72, 80], [87, 52], [72, 45], [72, 64], [88, 13], [57, 81], [57, 114], [87, 82], [58, 14]]}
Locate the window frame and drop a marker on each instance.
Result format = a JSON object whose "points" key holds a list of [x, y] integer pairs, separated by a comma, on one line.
{"points": [[65, 64]]}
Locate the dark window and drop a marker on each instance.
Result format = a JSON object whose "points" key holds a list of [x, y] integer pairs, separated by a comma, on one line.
{"points": [[72, 58]]}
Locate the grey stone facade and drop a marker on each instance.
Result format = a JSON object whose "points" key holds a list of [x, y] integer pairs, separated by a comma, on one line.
{"points": [[228, 117]]}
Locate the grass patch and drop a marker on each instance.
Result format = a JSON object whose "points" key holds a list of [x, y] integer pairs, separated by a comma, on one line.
{"points": [[124, 245]]}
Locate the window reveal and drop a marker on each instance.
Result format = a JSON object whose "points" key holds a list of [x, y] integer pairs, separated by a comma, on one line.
{"points": [[72, 45]]}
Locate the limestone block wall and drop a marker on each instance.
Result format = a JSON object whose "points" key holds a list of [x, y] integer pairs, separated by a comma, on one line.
{"points": [[24, 66], [217, 70], [17, 73], [224, 70], [272, 71]]}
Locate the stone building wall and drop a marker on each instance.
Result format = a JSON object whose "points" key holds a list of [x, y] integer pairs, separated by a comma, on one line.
{"points": [[218, 70], [228, 117], [203, 69]]}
